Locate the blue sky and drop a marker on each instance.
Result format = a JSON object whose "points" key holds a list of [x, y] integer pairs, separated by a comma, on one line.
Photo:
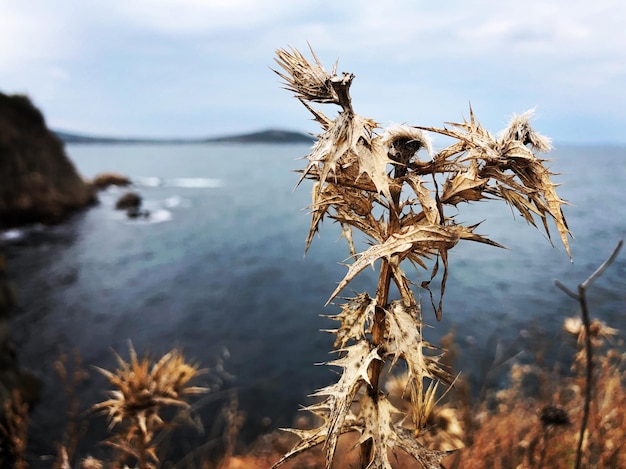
{"points": [[195, 68]]}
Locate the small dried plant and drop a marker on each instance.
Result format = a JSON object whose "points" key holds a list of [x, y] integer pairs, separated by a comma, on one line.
{"points": [[72, 375], [143, 390], [14, 432], [391, 187]]}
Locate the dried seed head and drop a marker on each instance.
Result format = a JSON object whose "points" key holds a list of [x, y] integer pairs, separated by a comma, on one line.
{"points": [[91, 463], [403, 142], [521, 130], [552, 416], [143, 388], [309, 81], [598, 330]]}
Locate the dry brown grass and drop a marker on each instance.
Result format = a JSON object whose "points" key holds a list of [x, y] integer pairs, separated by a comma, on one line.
{"points": [[14, 433], [526, 431], [71, 374]]}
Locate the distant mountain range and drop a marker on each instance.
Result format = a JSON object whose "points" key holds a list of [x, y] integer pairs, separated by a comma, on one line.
{"points": [[265, 136]]}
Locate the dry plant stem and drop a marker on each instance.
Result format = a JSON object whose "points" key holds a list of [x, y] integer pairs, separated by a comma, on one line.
{"points": [[382, 299], [582, 299], [141, 449]]}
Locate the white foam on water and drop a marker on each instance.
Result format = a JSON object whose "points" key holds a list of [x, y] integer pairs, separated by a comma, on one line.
{"points": [[154, 181], [12, 235], [174, 201], [159, 216], [196, 182]]}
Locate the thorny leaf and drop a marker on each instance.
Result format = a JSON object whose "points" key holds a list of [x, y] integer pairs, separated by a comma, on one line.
{"points": [[377, 426], [427, 239], [464, 186], [322, 201], [355, 364], [388, 437], [350, 210], [428, 203], [344, 144], [536, 176], [524, 206], [316, 436], [404, 340], [429, 459], [308, 439], [354, 317], [372, 160], [346, 232]]}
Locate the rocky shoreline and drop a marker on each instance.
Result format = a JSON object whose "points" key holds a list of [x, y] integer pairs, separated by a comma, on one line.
{"points": [[38, 184]]}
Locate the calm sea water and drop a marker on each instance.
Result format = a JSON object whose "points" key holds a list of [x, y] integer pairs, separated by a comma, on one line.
{"points": [[219, 270]]}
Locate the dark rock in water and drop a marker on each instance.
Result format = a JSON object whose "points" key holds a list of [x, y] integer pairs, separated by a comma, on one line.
{"points": [[104, 180], [136, 212], [38, 183], [131, 202], [128, 200]]}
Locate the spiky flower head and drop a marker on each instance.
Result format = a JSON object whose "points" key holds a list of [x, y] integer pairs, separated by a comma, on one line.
{"points": [[520, 129], [144, 387]]}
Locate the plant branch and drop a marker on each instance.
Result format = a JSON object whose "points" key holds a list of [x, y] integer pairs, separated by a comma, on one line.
{"points": [[603, 267], [582, 299]]}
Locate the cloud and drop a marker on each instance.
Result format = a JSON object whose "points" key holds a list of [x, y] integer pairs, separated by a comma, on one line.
{"points": [[26, 36], [146, 66], [198, 17]]}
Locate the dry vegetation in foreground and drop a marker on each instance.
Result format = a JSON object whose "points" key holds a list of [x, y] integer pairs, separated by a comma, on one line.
{"points": [[520, 427], [535, 422]]}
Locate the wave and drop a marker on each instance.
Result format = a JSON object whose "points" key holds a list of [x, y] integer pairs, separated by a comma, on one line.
{"points": [[154, 181], [159, 216], [12, 235]]}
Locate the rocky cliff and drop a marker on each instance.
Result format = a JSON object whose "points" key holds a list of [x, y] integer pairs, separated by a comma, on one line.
{"points": [[38, 183]]}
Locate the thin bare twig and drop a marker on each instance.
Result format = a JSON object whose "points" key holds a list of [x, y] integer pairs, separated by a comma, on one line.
{"points": [[582, 299]]}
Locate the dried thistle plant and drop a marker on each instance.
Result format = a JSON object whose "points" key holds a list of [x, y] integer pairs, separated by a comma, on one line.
{"points": [[143, 389], [389, 186]]}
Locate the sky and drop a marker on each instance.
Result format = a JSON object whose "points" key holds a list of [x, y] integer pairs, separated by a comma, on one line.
{"points": [[202, 68]]}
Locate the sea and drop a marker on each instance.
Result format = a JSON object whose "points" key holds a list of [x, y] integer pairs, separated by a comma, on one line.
{"points": [[218, 269]]}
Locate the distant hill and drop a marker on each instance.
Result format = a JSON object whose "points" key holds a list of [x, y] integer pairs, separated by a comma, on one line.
{"points": [[265, 136]]}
